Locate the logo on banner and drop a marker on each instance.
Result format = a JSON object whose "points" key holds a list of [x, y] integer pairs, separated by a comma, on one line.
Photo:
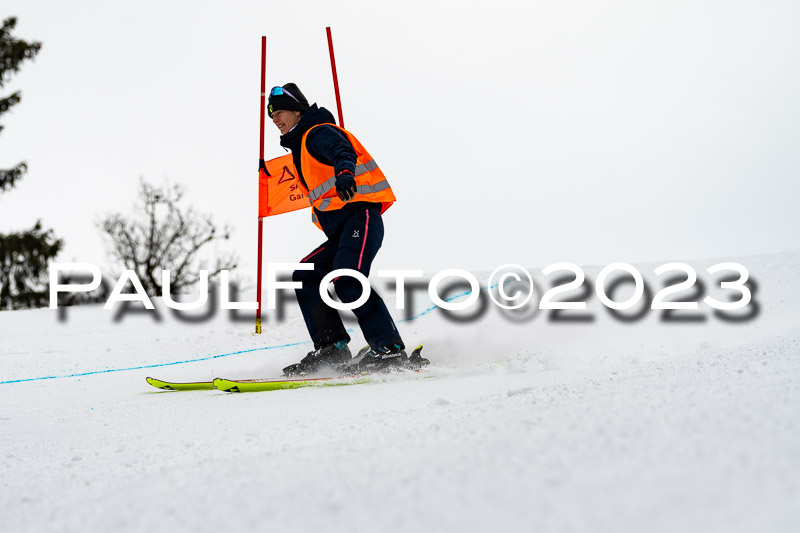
{"points": [[284, 178]]}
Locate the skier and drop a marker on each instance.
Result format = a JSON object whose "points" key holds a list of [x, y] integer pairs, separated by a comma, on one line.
{"points": [[349, 193]]}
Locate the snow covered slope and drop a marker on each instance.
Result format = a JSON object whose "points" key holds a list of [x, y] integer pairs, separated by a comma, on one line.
{"points": [[530, 424]]}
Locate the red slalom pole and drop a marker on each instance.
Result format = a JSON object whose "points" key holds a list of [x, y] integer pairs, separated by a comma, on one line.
{"points": [[261, 161], [335, 78], [263, 93]]}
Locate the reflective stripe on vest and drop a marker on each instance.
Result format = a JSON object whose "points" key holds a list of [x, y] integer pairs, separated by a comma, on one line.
{"points": [[320, 182], [330, 183], [361, 189]]}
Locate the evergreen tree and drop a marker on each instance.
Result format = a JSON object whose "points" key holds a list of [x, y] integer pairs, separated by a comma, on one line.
{"points": [[23, 255], [12, 53]]}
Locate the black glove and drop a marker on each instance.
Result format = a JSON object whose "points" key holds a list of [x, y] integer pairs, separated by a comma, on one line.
{"points": [[345, 185]]}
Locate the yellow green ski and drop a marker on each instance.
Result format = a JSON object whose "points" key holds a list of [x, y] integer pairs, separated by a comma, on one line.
{"points": [[227, 385], [258, 385], [169, 385]]}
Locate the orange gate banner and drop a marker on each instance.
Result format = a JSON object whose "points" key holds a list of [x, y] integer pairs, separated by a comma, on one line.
{"points": [[279, 189]]}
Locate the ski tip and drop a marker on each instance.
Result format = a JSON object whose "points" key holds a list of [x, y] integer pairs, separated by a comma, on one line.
{"points": [[416, 360], [157, 383], [168, 385]]}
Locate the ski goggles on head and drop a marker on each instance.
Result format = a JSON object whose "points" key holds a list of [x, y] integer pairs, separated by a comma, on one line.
{"points": [[277, 91]]}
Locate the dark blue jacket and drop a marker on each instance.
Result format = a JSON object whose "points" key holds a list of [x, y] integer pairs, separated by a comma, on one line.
{"points": [[329, 146]]}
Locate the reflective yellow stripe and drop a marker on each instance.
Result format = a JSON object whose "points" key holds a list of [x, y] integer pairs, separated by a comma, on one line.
{"points": [[378, 187], [366, 167], [362, 189], [318, 191], [330, 183]]}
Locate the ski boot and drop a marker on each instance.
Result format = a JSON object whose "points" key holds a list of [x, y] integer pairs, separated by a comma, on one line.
{"points": [[381, 359], [335, 355]]}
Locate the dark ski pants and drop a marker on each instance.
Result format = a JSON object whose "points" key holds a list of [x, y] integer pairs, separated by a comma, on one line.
{"points": [[354, 247]]}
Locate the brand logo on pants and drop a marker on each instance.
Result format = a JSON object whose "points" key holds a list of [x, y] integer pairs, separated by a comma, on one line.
{"points": [[355, 233]]}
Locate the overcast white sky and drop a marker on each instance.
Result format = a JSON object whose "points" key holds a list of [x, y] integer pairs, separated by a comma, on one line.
{"points": [[525, 132]]}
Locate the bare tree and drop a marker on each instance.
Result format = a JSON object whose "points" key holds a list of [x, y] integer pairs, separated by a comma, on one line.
{"points": [[164, 235]]}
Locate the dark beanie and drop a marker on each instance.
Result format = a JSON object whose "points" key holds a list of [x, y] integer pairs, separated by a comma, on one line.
{"points": [[284, 101]]}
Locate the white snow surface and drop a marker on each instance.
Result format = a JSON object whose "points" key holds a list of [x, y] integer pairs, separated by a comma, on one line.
{"points": [[526, 425]]}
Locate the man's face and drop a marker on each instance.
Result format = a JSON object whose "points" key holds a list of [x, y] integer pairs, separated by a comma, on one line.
{"points": [[285, 120]]}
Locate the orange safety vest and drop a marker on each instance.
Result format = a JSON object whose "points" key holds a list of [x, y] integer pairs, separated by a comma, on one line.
{"points": [[371, 184]]}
